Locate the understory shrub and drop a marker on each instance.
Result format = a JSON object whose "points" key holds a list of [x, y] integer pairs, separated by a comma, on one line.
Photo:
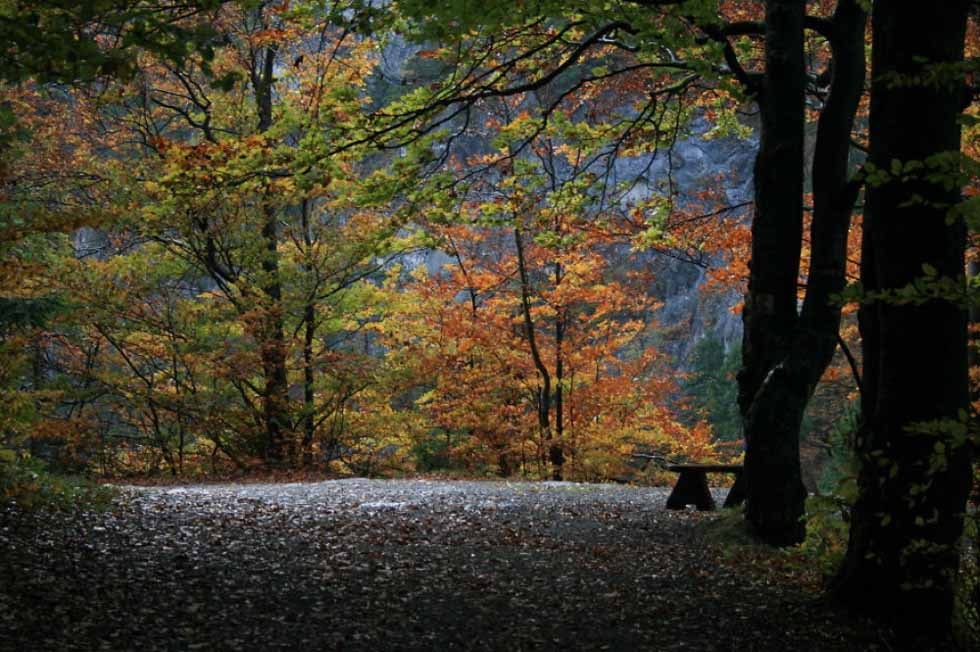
{"points": [[26, 483]]}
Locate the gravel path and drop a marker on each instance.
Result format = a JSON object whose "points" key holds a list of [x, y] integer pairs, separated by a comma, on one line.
{"points": [[395, 565]]}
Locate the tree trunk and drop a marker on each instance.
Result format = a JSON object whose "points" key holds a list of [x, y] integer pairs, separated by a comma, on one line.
{"points": [[907, 522], [784, 356], [557, 453], [973, 357], [275, 399], [179, 414], [309, 393], [544, 393], [274, 351], [775, 489], [309, 337]]}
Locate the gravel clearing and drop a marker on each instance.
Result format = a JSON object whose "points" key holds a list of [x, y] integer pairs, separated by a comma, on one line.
{"points": [[396, 565]]}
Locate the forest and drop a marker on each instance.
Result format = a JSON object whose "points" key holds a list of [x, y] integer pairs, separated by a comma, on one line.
{"points": [[555, 246]]}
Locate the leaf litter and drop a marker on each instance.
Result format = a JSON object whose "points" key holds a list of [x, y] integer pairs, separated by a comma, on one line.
{"points": [[397, 565]]}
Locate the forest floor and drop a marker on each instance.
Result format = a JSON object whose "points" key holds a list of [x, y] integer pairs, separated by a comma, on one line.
{"points": [[400, 565]]}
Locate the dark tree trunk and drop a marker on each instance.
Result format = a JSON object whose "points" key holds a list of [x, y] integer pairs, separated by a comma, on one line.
{"points": [[274, 351], [504, 466], [275, 399], [555, 456], [973, 357], [309, 337], [777, 227], [913, 486], [775, 489], [309, 393], [785, 354], [557, 453]]}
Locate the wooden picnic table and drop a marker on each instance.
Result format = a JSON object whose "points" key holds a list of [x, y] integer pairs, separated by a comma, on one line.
{"points": [[692, 486]]}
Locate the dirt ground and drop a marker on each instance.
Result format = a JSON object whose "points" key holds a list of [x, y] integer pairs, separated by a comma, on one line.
{"points": [[397, 565]]}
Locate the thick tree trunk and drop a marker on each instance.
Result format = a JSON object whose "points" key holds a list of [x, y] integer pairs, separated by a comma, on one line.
{"points": [[785, 355], [775, 489], [907, 522]]}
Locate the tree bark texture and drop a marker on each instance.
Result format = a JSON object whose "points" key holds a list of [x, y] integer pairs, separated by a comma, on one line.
{"points": [[913, 485], [785, 352], [772, 466]]}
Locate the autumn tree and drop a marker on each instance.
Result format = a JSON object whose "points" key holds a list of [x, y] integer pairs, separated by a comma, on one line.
{"points": [[535, 345], [663, 47], [221, 171], [243, 189], [565, 280], [62, 43]]}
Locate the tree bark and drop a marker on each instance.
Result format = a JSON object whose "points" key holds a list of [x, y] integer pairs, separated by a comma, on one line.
{"points": [[309, 391], [772, 467], [275, 401], [785, 353], [544, 393], [309, 337], [902, 553], [557, 452]]}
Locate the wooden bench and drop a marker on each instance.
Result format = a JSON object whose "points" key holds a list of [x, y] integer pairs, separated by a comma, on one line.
{"points": [[692, 486], [637, 463]]}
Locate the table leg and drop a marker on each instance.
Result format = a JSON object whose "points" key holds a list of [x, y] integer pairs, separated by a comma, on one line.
{"points": [[691, 489], [736, 495]]}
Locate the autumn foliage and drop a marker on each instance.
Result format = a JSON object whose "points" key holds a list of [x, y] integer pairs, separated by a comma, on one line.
{"points": [[267, 252]]}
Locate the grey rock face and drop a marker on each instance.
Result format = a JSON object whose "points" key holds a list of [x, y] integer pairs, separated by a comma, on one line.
{"points": [[699, 162], [88, 243], [694, 164]]}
